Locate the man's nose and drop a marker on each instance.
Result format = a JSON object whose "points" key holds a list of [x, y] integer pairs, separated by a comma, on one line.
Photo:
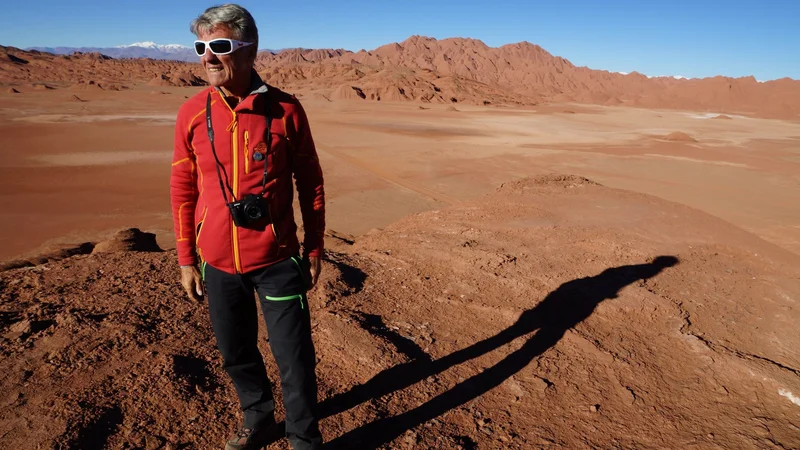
{"points": [[208, 57]]}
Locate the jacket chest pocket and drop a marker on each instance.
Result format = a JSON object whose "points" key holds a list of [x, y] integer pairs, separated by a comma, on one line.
{"points": [[275, 157]]}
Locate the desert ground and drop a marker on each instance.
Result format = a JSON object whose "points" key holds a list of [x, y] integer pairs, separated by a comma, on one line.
{"points": [[555, 274], [76, 170]]}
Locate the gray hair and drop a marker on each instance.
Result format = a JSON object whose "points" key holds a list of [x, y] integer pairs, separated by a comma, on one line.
{"points": [[232, 16]]}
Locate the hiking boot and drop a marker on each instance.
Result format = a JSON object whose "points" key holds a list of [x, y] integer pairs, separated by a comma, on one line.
{"points": [[251, 439]]}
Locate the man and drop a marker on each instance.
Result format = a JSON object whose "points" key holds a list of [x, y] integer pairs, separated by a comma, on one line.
{"points": [[237, 146]]}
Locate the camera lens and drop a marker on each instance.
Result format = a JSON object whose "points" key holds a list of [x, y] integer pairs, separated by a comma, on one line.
{"points": [[253, 211]]}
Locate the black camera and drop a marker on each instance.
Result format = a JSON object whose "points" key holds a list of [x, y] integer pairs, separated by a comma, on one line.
{"points": [[252, 208]]}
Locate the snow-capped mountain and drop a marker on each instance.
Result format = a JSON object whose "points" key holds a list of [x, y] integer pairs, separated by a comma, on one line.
{"points": [[677, 77], [153, 45], [145, 49]]}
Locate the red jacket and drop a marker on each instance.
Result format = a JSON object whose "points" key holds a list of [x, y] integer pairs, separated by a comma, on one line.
{"points": [[202, 220]]}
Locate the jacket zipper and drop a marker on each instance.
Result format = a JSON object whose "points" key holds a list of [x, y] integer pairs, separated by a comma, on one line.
{"points": [[235, 138], [246, 152], [233, 127], [273, 218], [275, 232], [199, 229], [200, 226], [277, 236]]}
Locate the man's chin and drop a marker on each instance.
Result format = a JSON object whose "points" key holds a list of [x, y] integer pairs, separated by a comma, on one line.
{"points": [[215, 80]]}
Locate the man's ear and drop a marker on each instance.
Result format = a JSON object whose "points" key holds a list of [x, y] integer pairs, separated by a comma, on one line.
{"points": [[252, 52]]}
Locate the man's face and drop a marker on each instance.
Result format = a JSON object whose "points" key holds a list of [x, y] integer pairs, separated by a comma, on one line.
{"points": [[226, 70]]}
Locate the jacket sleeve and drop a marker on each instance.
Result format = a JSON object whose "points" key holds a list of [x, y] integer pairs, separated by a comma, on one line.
{"points": [[183, 192], [309, 182]]}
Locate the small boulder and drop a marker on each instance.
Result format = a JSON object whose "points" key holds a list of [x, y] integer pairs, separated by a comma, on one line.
{"points": [[23, 327], [679, 137], [128, 240]]}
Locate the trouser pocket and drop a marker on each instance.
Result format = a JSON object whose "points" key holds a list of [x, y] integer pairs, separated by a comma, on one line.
{"points": [[303, 267], [285, 281], [289, 298]]}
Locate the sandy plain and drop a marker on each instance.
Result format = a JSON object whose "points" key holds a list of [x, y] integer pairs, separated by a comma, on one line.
{"points": [[77, 171]]}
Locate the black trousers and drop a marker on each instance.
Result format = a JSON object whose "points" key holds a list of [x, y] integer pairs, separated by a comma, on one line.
{"points": [[281, 290]]}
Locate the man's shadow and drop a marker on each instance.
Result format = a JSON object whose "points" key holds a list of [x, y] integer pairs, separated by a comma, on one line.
{"points": [[561, 310]]}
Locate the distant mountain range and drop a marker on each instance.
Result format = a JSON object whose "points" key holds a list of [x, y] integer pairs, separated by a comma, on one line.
{"points": [[421, 69], [172, 52]]}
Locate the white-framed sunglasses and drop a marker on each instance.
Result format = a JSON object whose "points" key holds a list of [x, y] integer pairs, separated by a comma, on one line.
{"points": [[219, 46]]}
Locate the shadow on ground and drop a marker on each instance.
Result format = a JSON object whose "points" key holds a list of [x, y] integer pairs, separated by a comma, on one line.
{"points": [[561, 310]]}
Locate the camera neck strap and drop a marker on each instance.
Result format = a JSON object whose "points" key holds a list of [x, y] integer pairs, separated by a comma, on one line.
{"points": [[218, 165]]}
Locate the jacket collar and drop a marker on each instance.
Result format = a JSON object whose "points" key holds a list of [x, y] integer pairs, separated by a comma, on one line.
{"points": [[257, 86]]}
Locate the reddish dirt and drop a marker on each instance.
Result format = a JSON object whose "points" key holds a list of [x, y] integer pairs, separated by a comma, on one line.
{"points": [[552, 313]]}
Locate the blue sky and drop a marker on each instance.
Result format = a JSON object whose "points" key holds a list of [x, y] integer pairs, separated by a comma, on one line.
{"points": [[679, 37]]}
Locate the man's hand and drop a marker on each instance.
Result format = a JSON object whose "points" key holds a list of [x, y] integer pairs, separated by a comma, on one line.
{"points": [[315, 266], [192, 282]]}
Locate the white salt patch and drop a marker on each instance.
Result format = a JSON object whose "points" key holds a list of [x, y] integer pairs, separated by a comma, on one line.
{"points": [[702, 161], [790, 396], [712, 115]]}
